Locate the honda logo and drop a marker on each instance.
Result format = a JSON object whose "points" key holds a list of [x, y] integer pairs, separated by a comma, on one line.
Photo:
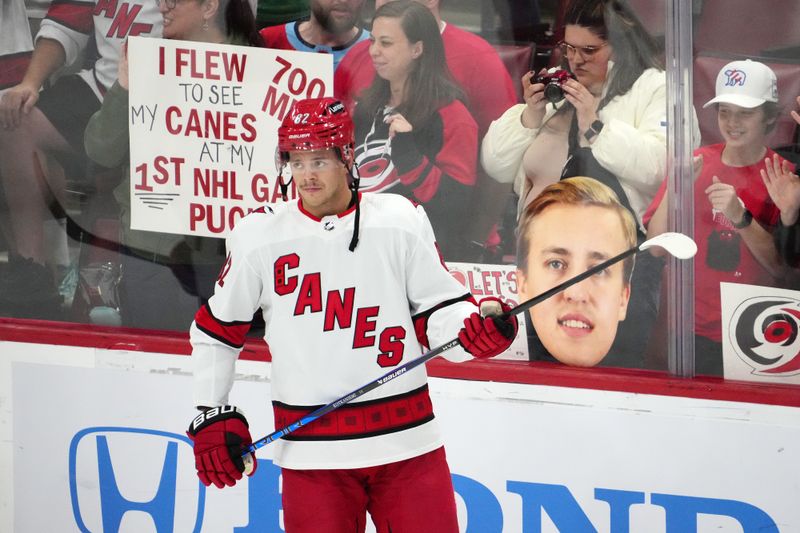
{"points": [[111, 472]]}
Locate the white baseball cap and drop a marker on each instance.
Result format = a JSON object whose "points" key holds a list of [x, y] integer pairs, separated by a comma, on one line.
{"points": [[746, 84]]}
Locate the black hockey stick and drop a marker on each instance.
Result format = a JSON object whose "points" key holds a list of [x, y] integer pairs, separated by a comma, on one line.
{"points": [[677, 244]]}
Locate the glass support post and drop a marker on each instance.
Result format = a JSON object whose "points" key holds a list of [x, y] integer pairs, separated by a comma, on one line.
{"points": [[680, 281]]}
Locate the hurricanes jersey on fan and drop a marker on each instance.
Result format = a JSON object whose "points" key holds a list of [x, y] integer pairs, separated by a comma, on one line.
{"points": [[335, 320], [287, 37], [72, 23]]}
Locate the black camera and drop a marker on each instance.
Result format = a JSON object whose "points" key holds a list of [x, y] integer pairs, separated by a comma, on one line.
{"points": [[553, 79]]}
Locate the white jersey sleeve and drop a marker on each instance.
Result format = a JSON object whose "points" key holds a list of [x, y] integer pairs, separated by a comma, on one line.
{"points": [[439, 303], [71, 24], [218, 331]]}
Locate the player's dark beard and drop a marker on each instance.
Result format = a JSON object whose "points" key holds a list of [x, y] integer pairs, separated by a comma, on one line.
{"points": [[332, 25]]}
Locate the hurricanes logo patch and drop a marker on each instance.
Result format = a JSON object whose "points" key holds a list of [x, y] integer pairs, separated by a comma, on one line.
{"points": [[764, 334], [375, 167], [734, 76]]}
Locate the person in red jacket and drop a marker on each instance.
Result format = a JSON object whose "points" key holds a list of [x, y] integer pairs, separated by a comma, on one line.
{"points": [[472, 61], [414, 135], [488, 92]]}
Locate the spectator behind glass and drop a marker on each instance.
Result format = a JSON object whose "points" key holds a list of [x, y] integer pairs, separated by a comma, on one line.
{"points": [[733, 214], [784, 188], [16, 45], [488, 92], [572, 226], [333, 27], [414, 136], [53, 121], [165, 274], [16, 48], [615, 108], [274, 12]]}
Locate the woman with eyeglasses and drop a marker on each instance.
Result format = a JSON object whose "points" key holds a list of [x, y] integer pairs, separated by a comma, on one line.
{"points": [[614, 105], [605, 118], [159, 268], [414, 135]]}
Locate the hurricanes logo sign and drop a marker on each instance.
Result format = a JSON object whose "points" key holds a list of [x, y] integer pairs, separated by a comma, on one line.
{"points": [[764, 334]]}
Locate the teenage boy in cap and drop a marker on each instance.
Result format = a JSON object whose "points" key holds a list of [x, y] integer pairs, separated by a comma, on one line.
{"points": [[350, 285], [734, 214]]}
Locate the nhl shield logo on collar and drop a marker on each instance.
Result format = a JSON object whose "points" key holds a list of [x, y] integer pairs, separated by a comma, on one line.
{"points": [[328, 225]]}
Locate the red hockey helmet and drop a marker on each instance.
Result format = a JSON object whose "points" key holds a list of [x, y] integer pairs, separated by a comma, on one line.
{"points": [[317, 124]]}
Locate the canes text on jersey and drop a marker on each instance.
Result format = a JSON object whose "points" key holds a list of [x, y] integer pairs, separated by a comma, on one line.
{"points": [[338, 308]]}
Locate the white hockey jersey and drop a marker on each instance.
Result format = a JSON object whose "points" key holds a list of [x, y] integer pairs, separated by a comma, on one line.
{"points": [[72, 23], [335, 320]]}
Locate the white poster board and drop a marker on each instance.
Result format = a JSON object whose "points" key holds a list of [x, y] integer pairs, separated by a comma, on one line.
{"points": [[203, 129], [760, 333]]}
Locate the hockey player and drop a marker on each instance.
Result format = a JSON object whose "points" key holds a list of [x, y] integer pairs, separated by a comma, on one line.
{"points": [[350, 285]]}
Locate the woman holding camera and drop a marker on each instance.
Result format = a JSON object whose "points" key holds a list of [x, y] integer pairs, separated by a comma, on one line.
{"points": [[614, 105], [414, 136]]}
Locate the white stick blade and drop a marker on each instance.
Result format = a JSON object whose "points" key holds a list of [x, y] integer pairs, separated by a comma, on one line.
{"points": [[677, 244]]}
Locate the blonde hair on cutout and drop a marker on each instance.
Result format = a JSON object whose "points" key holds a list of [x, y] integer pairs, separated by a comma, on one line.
{"points": [[578, 190]]}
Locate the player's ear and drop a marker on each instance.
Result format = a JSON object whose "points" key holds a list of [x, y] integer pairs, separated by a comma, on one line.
{"points": [[522, 284]]}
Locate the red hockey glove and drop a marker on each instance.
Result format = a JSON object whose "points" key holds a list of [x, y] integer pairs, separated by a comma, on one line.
{"points": [[488, 335], [220, 436]]}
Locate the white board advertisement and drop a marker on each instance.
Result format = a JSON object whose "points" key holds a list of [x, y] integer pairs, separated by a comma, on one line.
{"points": [[103, 449], [203, 129], [760, 333]]}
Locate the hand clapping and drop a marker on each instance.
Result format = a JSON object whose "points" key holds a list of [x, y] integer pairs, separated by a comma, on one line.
{"points": [[783, 186]]}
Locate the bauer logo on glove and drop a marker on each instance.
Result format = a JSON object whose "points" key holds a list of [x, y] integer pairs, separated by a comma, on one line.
{"points": [[220, 436]]}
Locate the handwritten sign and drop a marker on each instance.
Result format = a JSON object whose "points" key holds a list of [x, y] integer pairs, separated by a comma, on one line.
{"points": [[203, 129]]}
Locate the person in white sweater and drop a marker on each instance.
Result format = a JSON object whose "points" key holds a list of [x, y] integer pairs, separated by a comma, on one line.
{"points": [[615, 107]]}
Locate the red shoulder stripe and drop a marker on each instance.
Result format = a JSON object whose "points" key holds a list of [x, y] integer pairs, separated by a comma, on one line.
{"points": [[230, 333], [73, 15]]}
